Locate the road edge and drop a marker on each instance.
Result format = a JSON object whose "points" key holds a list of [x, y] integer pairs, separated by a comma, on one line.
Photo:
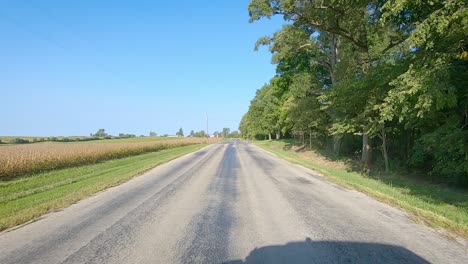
{"points": [[416, 214], [36, 217]]}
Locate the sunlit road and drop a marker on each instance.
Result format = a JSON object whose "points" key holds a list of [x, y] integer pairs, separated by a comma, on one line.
{"points": [[228, 203]]}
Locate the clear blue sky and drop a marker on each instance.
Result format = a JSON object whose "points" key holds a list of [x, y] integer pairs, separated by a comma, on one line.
{"points": [[72, 67]]}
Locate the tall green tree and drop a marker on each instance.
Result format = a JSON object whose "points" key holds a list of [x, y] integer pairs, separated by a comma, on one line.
{"points": [[392, 72], [226, 132], [357, 22], [430, 99], [180, 133]]}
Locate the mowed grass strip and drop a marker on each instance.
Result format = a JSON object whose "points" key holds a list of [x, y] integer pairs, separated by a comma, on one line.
{"points": [[26, 198], [436, 205]]}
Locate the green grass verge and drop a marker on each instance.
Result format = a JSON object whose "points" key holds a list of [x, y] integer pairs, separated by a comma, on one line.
{"points": [[436, 205], [26, 198]]}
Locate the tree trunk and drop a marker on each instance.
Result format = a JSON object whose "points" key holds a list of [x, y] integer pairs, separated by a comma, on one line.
{"points": [[407, 144], [366, 151], [334, 58], [410, 142], [310, 138], [384, 149], [278, 134], [336, 144], [303, 138], [269, 136]]}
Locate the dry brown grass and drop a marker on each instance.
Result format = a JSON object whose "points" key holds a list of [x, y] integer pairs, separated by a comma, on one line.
{"points": [[19, 160]]}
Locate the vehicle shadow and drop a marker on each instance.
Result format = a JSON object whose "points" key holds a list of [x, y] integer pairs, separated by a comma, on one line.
{"points": [[309, 251]]}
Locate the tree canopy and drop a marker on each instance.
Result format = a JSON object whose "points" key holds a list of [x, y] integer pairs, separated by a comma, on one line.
{"points": [[387, 80], [180, 133]]}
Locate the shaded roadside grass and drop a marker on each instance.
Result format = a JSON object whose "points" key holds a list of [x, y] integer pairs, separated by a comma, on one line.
{"points": [[438, 206], [26, 198]]}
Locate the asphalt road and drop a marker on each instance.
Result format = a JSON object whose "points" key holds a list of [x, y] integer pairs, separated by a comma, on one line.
{"points": [[228, 203]]}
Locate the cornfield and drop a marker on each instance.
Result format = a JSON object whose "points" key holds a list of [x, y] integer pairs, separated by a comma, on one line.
{"points": [[19, 160]]}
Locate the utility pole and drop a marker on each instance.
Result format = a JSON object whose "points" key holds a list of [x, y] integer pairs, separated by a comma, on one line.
{"points": [[207, 133]]}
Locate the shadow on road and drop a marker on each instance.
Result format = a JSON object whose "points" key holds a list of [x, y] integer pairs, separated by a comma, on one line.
{"points": [[310, 251]]}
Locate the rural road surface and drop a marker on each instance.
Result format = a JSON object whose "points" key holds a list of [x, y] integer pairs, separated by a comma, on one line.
{"points": [[228, 203]]}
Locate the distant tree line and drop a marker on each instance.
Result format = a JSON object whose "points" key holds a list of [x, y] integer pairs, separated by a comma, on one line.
{"points": [[99, 134], [50, 139], [200, 133], [387, 80], [125, 135], [226, 133], [180, 133]]}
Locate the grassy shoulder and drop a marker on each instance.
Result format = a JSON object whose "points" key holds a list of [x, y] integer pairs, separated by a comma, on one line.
{"points": [[26, 198], [438, 206]]}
